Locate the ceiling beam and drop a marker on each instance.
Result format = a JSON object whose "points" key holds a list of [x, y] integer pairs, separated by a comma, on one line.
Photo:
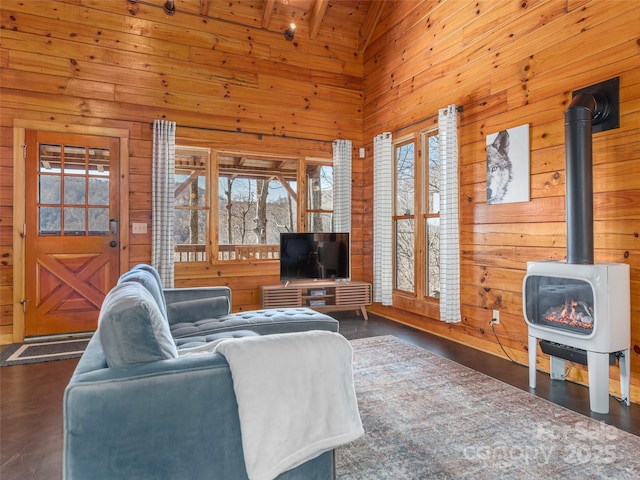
{"points": [[369, 24], [319, 8], [266, 12]]}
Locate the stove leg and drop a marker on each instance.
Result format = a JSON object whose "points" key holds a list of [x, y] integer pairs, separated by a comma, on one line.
{"points": [[533, 353], [598, 366], [625, 372]]}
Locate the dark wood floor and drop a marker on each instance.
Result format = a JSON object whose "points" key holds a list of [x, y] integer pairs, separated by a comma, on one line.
{"points": [[31, 397]]}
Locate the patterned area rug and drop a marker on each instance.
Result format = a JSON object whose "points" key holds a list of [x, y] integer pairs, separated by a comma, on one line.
{"points": [[43, 351], [426, 417]]}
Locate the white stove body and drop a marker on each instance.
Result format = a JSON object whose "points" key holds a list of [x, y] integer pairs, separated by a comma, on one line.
{"points": [[610, 330]]}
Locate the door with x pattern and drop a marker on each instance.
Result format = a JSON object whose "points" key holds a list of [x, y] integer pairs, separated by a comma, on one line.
{"points": [[71, 231]]}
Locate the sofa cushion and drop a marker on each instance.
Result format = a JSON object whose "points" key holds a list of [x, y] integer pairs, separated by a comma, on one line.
{"points": [[264, 322], [148, 280], [206, 344], [197, 309], [131, 327], [152, 270]]}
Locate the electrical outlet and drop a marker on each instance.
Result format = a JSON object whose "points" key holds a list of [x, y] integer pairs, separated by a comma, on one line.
{"points": [[495, 319]]}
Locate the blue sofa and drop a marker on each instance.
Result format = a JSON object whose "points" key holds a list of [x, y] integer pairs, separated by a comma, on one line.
{"points": [[137, 407]]}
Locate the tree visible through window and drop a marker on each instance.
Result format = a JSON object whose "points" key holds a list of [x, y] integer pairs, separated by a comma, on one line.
{"points": [[257, 199], [432, 214], [191, 204], [404, 220], [320, 197], [416, 217]]}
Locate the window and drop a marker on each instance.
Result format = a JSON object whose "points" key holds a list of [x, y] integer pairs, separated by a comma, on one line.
{"points": [[255, 199], [431, 190], [73, 190], [403, 218], [319, 197], [191, 204], [416, 218]]}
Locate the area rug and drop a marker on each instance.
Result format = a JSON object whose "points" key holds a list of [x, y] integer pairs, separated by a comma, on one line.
{"points": [[43, 351], [426, 417]]}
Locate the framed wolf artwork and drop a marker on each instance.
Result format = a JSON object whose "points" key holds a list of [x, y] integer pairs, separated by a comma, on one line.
{"points": [[508, 166]]}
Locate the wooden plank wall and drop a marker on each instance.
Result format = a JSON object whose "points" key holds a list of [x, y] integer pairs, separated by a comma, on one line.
{"points": [[122, 64], [511, 63]]}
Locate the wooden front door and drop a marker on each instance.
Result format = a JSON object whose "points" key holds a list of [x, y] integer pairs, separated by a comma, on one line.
{"points": [[72, 230]]}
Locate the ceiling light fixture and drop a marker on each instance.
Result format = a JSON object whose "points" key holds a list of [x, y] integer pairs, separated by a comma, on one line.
{"points": [[290, 32], [169, 8]]}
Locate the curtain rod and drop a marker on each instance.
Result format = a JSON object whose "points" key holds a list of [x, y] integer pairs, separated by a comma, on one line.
{"points": [[459, 109], [259, 135]]}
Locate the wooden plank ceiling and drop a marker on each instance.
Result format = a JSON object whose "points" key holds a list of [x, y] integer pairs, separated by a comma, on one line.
{"points": [[310, 16]]}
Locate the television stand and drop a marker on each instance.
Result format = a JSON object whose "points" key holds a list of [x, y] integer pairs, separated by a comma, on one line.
{"points": [[321, 295]]}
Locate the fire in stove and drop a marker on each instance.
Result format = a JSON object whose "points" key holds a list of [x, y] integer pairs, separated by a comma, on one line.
{"points": [[574, 313]]}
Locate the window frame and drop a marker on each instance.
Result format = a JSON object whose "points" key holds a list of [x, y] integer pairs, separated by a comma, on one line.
{"points": [[302, 211], [425, 213], [406, 217], [420, 216], [198, 251]]}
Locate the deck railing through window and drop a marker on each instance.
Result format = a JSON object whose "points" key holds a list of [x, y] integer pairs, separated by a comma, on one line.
{"points": [[227, 253]]}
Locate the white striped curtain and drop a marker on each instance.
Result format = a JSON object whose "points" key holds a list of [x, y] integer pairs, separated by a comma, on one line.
{"points": [[342, 185], [449, 226], [163, 188], [382, 219]]}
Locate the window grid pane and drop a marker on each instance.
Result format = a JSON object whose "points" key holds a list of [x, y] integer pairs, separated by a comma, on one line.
{"points": [[432, 282], [72, 180], [404, 264], [432, 220], [405, 179], [191, 204], [433, 175]]}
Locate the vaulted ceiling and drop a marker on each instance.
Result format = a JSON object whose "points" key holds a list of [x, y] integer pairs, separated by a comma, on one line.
{"points": [[313, 18]]}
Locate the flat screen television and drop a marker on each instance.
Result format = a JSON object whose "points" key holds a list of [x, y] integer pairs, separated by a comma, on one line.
{"points": [[314, 256]]}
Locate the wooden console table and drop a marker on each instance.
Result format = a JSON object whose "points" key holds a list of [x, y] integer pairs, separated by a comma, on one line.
{"points": [[324, 296]]}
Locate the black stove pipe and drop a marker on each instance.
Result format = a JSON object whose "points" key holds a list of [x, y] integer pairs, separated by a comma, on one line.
{"points": [[578, 120]]}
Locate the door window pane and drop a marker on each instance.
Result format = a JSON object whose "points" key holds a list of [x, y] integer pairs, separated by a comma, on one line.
{"points": [[74, 221], [50, 158], [49, 189], [49, 221], [74, 190], [99, 162], [98, 221], [74, 160], [73, 179], [98, 191]]}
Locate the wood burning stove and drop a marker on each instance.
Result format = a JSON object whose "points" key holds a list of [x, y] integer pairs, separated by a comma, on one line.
{"points": [[585, 308], [579, 309]]}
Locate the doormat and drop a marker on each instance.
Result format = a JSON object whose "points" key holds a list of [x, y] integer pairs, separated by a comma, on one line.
{"points": [[43, 351]]}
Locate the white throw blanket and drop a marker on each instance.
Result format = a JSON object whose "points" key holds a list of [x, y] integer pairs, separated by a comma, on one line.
{"points": [[296, 397]]}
